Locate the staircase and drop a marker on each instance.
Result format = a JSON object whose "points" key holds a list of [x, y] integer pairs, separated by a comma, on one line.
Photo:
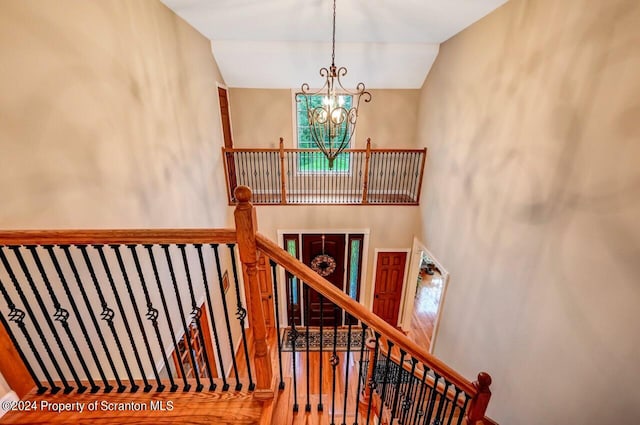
{"points": [[110, 322]]}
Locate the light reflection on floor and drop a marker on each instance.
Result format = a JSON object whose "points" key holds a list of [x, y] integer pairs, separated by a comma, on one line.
{"points": [[425, 309]]}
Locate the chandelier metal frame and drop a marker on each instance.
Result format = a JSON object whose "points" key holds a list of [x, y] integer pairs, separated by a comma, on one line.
{"points": [[331, 124]]}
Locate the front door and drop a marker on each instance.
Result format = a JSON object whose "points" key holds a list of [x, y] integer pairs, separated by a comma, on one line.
{"points": [[313, 246], [388, 285]]}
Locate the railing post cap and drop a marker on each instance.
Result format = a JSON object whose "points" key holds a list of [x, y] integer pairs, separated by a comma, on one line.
{"points": [[242, 194], [484, 380]]}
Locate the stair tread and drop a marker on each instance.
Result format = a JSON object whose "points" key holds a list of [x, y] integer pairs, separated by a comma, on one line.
{"points": [[141, 408]]}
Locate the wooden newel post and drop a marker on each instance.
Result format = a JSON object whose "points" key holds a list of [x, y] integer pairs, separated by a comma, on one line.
{"points": [[11, 365], [366, 391], [246, 228], [478, 406]]}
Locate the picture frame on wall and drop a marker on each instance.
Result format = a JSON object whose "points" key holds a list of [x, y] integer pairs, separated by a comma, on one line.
{"points": [[225, 281]]}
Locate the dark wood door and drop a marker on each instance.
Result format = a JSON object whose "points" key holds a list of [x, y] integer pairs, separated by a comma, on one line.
{"points": [[388, 285], [312, 246], [228, 138]]}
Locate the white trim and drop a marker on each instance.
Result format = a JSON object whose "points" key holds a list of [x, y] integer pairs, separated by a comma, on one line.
{"points": [[11, 396], [410, 293], [404, 277]]}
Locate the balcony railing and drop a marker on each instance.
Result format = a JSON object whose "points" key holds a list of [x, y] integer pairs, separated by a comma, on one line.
{"points": [[302, 176]]}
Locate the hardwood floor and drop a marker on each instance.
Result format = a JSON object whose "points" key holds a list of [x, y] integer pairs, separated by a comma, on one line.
{"points": [[425, 309], [319, 390]]}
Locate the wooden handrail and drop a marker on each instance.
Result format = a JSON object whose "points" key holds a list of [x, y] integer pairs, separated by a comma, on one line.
{"points": [[315, 281], [116, 236], [289, 150]]}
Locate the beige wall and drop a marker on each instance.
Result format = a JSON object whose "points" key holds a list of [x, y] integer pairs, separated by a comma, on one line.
{"points": [[259, 118], [108, 119], [532, 199]]}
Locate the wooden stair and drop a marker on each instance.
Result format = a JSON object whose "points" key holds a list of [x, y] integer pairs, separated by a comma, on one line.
{"points": [[190, 408]]}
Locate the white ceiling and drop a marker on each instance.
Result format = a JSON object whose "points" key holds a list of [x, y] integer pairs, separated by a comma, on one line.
{"points": [[284, 43]]}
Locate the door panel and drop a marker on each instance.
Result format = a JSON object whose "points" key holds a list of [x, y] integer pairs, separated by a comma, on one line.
{"points": [[266, 290], [390, 268], [334, 245]]}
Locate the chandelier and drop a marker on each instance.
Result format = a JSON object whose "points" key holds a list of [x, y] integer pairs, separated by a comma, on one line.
{"points": [[333, 121]]}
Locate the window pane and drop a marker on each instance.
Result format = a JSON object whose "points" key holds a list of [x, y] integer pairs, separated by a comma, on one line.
{"points": [[317, 162], [354, 269], [291, 249]]}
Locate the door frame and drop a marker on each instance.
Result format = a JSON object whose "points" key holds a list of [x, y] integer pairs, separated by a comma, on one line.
{"points": [[404, 277], [220, 85], [282, 301], [406, 308]]}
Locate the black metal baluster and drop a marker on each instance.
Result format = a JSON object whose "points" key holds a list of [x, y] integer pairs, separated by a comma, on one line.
{"points": [[16, 284], [442, 403], [293, 335], [408, 399], [406, 175], [107, 315], [165, 308], [389, 398], [262, 176], [360, 362], [277, 306], [454, 404], [416, 179], [372, 381], [205, 282], [136, 311], [307, 304], [17, 316], [107, 269], [196, 313], [292, 178], [241, 314], [183, 319], [346, 374], [394, 410], [464, 408], [384, 379], [417, 411], [41, 388], [396, 175], [432, 399], [335, 360], [226, 317], [320, 406], [62, 315], [74, 307], [387, 167], [152, 316], [384, 190]]}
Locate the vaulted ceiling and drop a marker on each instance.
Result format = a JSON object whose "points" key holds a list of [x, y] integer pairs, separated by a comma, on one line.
{"points": [[284, 43]]}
